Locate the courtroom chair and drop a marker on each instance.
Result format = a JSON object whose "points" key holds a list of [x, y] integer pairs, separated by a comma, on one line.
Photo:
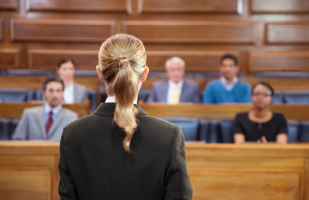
{"points": [[157, 74], [30, 72], [4, 129], [296, 97], [282, 75], [278, 98], [226, 130], [189, 126], [304, 131], [143, 94], [214, 75], [16, 94], [209, 131], [293, 131], [85, 73]]}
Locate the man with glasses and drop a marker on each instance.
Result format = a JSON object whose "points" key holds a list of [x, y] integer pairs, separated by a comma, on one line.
{"points": [[227, 89]]}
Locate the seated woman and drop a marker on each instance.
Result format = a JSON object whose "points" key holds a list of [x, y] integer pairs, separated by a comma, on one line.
{"points": [[260, 124]]}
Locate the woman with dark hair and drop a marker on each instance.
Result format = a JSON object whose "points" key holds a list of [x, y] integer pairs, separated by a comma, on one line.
{"points": [[260, 124], [119, 152]]}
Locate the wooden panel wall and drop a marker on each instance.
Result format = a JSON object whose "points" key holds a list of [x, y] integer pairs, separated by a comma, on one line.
{"points": [[279, 61], [188, 6], [9, 58], [282, 6], [287, 33], [192, 32], [80, 5], [199, 30], [39, 30], [9, 4]]}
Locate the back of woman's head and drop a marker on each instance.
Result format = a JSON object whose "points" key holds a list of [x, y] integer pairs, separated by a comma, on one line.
{"points": [[122, 62]]}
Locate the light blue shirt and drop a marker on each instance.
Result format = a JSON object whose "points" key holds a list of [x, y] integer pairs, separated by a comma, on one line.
{"points": [[47, 109], [227, 85]]}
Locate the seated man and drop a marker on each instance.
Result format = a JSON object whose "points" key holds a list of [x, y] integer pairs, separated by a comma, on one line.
{"points": [[73, 92], [227, 89], [46, 122], [176, 89]]}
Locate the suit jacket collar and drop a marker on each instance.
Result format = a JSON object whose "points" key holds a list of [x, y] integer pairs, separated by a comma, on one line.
{"points": [[108, 109], [55, 124], [184, 88]]}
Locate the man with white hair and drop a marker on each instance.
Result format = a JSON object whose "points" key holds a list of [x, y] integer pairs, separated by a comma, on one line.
{"points": [[176, 89]]}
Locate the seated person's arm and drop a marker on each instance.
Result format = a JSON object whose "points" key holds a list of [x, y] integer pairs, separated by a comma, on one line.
{"points": [[20, 132], [208, 95], [282, 138], [239, 138]]}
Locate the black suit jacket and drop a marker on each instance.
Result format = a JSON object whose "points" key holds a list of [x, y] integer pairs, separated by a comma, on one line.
{"points": [[94, 166]]}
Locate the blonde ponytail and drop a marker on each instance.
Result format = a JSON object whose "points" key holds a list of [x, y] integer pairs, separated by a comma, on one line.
{"points": [[122, 61]]}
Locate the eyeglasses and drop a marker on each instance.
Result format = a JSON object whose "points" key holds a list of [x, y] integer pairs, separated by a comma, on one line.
{"points": [[261, 94]]}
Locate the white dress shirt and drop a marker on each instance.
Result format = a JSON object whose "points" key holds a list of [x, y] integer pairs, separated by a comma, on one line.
{"points": [[170, 91], [227, 85], [68, 94], [47, 109], [111, 99]]}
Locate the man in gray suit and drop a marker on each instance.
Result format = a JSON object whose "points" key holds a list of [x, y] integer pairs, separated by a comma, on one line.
{"points": [[73, 92], [46, 122], [176, 89]]}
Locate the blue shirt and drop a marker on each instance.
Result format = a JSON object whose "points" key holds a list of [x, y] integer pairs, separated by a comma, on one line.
{"points": [[216, 93], [47, 109]]}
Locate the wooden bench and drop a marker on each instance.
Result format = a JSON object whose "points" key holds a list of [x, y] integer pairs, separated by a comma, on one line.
{"points": [[29, 170], [15, 110], [223, 111]]}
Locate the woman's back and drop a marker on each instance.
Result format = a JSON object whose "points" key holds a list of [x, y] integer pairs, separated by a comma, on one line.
{"points": [[94, 164]]}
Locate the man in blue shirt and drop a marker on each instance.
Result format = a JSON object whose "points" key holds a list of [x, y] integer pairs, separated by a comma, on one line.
{"points": [[227, 89]]}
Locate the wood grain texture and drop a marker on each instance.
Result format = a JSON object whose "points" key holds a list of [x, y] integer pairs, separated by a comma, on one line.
{"points": [[224, 111], [209, 32], [48, 59], [79, 5], [196, 61], [287, 33], [269, 61], [1, 29], [282, 6], [15, 110], [9, 4], [48, 30], [187, 6], [217, 171], [9, 58]]}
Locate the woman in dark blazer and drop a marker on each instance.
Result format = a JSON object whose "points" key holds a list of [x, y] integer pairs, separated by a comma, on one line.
{"points": [[119, 152]]}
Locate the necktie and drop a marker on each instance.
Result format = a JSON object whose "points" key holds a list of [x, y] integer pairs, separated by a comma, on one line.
{"points": [[175, 95], [49, 122]]}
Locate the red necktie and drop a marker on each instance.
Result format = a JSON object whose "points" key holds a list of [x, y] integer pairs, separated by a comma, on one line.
{"points": [[49, 122]]}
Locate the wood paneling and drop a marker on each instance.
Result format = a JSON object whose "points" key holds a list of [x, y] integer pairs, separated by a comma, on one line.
{"points": [[9, 58], [224, 111], [188, 6], [287, 33], [282, 6], [79, 5], [48, 59], [268, 61], [196, 61], [1, 29], [15, 110], [47, 30], [210, 32], [9, 4], [15, 184], [217, 171]]}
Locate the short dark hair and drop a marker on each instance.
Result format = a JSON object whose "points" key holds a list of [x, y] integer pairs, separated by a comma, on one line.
{"points": [[229, 56], [266, 85], [64, 60], [52, 79]]}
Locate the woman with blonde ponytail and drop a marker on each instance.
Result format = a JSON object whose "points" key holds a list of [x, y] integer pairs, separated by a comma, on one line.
{"points": [[119, 152]]}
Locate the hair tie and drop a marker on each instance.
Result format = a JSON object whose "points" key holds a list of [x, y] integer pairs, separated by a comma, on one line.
{"points": [[122, 62]]}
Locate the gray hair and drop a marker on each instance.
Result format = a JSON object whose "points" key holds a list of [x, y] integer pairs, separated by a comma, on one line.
{"points": [[175, 60]]}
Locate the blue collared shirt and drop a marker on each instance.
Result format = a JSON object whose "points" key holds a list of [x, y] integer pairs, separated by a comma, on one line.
{"points": [[47, 109]]}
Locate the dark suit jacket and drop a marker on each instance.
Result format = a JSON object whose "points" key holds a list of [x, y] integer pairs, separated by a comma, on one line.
{"points": [[189, 92], [94, 166]]}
